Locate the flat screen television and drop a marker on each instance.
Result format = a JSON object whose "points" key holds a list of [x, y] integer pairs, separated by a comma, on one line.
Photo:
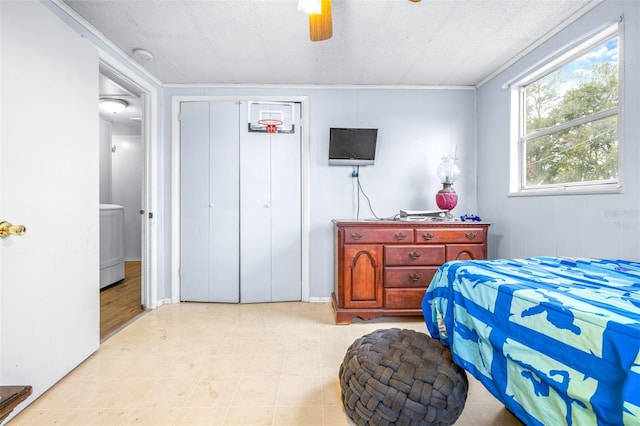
{"points": [[352, 147]]}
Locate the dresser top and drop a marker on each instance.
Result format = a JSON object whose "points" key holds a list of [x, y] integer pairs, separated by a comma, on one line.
{"points": [[401, 223]]}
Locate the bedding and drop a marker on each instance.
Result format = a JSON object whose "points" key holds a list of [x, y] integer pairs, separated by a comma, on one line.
{"points": [[557, 340]]}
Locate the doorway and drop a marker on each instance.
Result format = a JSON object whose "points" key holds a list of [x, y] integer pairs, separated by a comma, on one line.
{"points": [[122, 165]]}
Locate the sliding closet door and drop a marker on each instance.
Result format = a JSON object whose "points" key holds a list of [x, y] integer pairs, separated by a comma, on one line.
{"points": [[270, 215], [209, 198]]}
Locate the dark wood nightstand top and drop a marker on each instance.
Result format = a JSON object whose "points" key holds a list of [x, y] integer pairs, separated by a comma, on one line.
{"points": [[10, 397]]}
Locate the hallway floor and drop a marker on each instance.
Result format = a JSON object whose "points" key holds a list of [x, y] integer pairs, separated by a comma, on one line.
{"points": [[218, 364], [121, 302]]}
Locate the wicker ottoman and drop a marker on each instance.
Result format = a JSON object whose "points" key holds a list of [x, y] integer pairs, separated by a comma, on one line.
{"points": [[401, 377]]}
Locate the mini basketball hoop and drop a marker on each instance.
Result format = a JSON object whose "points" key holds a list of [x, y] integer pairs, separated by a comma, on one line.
{"points": [[271, 124]]}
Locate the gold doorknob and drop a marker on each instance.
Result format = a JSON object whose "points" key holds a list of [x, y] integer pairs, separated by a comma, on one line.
{"points": [[7, 229]]}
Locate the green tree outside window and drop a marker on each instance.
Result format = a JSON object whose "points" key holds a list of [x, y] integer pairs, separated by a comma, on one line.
{"points": [[570, 131]]}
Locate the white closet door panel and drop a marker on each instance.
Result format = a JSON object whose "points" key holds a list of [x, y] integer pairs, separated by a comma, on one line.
{"points": [[194, 201], [286, 221], [255, 215], [224, 200]]}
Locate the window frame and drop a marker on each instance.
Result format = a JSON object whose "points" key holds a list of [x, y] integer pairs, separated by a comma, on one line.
{"points": [[549, 64]]}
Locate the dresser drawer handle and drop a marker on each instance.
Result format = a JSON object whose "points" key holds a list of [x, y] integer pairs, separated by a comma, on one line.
{"points": [[414, 255], [401, 236], [356, 236], [415, 277], [428, 236], [470, 235]]}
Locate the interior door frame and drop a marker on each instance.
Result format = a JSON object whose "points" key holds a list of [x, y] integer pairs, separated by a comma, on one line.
{"points": [[149, 101], [112, 57], [175, 181]]}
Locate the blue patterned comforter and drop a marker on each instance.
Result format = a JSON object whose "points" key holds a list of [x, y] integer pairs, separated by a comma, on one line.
{"points": [[556, 340]]}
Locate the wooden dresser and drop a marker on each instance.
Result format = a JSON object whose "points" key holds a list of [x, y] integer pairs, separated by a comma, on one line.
{"points": [[384, 267]]}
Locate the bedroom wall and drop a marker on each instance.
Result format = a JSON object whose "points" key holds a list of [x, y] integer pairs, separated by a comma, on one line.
{"points": [[416, 128], [422, 123], [596, 225]]}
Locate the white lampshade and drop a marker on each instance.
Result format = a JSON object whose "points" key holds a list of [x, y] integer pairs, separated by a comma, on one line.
{"points": [[113, 106]]}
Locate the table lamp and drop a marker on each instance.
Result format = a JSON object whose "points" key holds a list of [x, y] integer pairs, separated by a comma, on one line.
{"points": [[448, 171]]}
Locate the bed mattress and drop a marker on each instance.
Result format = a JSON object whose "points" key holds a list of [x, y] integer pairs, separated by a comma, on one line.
{"points": [[557, 340]]}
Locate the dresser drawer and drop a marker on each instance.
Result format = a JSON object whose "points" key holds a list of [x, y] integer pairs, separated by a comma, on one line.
{"points": [[404, 299], [407, 277], [377, 235], [443, 235], [465, 251], [414, 255]]}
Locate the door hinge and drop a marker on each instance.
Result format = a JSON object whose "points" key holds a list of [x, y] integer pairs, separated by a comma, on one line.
{"points": [[150, 215]]}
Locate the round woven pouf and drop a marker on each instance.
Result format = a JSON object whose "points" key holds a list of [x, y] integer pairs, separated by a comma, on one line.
{"points": [[401, 377]]}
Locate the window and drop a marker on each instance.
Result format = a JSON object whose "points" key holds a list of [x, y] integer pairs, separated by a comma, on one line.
{"points": [[567, 120]]}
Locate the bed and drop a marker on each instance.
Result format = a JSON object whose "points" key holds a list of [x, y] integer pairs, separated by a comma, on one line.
{"points": [[557, 340]]}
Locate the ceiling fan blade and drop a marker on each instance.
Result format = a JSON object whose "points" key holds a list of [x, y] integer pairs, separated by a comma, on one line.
{"points": [[320, 25]]}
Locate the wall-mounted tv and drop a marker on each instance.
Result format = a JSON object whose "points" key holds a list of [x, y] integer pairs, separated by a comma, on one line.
{"points": [[352, 147]]}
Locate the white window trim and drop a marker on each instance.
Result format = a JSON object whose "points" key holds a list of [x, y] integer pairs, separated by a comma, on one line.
{"points": [[549, 64]]}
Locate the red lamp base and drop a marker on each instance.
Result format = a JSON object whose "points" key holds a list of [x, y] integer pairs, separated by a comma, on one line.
{"points": [[446, 199]]}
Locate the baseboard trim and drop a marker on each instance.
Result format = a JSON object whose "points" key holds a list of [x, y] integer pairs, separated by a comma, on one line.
{"points": [[320, 299]]}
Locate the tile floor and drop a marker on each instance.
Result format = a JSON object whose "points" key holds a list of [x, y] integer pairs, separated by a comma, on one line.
{"points": [[217, 364]]}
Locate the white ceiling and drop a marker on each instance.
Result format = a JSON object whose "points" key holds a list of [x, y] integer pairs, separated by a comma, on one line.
{"points": [[375, 42]]}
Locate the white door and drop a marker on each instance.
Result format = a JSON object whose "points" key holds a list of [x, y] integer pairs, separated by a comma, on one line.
{"points": [[270, 215], [240, 207], [209, 228], [49, 298]]}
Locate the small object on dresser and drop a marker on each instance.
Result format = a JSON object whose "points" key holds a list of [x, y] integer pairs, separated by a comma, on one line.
{"points": [[470, 217]]}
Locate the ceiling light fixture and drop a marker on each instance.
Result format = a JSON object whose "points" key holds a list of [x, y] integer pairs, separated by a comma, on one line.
{"points": [[320, 25], [113, 106], [310, 6]]}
